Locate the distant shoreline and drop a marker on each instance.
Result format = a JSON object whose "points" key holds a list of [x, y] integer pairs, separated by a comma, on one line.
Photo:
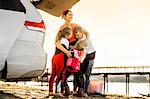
{"points": [[136, 79], [120, 78]]}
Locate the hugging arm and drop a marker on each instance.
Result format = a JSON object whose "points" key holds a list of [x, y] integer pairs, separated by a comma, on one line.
{"points": [[59, 46], [82, 57]]}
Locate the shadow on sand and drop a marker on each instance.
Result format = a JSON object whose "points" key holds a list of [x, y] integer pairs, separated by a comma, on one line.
{"points": [[7, 96]]}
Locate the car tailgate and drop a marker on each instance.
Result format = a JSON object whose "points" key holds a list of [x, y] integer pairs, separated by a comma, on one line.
{"points": [[56, 7]]}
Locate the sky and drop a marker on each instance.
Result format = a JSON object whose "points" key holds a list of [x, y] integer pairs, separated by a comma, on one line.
{"points": [[119, 30]]}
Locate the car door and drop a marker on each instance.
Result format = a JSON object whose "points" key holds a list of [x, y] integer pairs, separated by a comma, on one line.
{"points": [[54, 7], [27, 57], [12, 17]]}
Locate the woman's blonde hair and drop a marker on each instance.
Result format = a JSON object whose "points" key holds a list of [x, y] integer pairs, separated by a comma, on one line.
{"points": [[62, 33]]}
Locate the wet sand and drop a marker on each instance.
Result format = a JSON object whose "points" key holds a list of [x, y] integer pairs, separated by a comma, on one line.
{"points": [[20, 91]]}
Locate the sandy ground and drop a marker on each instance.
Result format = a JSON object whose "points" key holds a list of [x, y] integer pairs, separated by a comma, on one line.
{"points": [[21, 91]]}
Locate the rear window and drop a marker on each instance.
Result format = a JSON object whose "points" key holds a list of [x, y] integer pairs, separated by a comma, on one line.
{"points": [[14, 5], [36, 2]]}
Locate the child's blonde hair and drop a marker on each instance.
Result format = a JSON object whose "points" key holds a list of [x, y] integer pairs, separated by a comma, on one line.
{"points": [[62, 33], [81, 30], [80, 45]]}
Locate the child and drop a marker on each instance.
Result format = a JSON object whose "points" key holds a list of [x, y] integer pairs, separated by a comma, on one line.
{"points": [[58, 59], [86, 66], [73, 64]]}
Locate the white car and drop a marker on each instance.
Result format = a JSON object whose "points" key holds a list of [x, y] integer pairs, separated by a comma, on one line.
{"points": [[22, 36]]}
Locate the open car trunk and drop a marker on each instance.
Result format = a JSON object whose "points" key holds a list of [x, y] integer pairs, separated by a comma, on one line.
{"points": [[55, 7]]}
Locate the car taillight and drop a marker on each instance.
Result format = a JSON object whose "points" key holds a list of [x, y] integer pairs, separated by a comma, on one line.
{"points": [[35, 26]]}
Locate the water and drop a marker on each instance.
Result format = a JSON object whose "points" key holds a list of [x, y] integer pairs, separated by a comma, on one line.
{"points": [[134, 88]]}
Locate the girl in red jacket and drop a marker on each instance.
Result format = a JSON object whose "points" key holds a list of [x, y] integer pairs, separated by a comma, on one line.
{"points": [[73, 64]]}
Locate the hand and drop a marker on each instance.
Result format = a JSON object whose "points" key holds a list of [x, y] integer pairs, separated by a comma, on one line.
{"points": [[80, 59], [72, 47], [69, 54]]}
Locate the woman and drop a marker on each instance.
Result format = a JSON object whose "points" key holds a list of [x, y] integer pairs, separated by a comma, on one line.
{"points": [[67, 16], [86, 66]]}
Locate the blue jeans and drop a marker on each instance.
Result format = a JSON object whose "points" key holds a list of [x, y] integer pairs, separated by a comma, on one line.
{"points": [[88, 74]]}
